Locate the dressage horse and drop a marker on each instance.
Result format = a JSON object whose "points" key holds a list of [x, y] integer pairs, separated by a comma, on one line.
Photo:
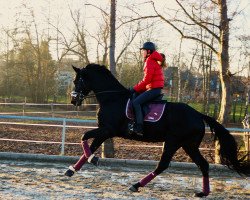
{"points": [[179, 126]]}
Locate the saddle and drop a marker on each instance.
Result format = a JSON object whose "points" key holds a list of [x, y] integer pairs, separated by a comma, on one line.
{"points": [[152, 111]]}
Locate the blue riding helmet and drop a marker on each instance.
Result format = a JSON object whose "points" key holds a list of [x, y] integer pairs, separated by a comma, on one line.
{"points": [[148, 46]]}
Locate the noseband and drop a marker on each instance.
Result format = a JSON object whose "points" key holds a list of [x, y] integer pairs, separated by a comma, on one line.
{"points": [[79, 96]]}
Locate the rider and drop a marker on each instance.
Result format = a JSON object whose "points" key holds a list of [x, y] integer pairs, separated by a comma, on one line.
{"points": [[151, 84]]}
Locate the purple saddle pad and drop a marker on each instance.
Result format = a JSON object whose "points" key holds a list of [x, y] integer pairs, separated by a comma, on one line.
{"points": [[155, 113]]}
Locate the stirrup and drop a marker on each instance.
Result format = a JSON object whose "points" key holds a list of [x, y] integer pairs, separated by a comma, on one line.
{"points": [[132, 129]]}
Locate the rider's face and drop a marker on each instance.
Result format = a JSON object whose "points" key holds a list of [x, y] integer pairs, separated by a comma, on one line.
{"points": [[144, 53]]}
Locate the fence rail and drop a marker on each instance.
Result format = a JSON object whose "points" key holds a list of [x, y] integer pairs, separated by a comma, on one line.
{"points": [[51, 106], [233, 131]]}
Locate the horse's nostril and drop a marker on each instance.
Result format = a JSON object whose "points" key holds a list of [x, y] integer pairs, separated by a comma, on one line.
{"points": [[73, 102]]}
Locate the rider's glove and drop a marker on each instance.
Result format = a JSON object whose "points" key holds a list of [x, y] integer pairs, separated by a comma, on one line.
{"points": [[131, 89]]}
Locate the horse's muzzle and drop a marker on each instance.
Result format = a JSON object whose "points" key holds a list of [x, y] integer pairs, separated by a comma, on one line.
{"points": [[76, 99]]}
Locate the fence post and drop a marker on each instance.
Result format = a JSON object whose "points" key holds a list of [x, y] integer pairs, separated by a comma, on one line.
{"points": [[246, 125], [63, 137], [52, 109], [216, 152], [77, 109], [24, 105]]}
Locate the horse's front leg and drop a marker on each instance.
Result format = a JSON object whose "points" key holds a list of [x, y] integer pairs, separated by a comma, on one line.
{"points": [[99, 135]]}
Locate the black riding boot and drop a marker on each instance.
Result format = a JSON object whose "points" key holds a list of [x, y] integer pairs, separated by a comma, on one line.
{"points": [[138, 126]]}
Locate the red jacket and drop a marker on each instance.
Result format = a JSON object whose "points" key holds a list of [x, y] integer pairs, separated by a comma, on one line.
{"points": [[153, 74]]}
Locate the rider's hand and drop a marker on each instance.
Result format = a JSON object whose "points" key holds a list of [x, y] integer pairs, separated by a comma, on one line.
{"points": [[131, 89]]}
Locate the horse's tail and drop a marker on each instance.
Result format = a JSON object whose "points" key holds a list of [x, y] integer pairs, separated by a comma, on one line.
{"points": [[228, 147]]}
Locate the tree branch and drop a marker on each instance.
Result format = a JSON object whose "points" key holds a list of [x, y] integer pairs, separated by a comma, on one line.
{"points": [[214, 2], [103, 11], [182, 34], [136, 19], [126, 46], [196, 22]]}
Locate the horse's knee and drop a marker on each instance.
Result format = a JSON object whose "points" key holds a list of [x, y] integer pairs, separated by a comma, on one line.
{"points": [[98, 133], [90, 134], [82, 138], [85, 136]]}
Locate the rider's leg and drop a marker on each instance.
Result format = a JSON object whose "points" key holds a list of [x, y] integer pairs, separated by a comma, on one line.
{"points": [[137, 102], [168, 152], [138, 126]]}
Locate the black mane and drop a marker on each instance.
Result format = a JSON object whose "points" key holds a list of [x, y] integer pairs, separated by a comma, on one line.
{"points": [[101, 74], [94, 66]]}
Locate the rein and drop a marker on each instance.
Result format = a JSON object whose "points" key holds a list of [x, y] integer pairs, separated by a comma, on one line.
{"points": [[103, 92], [94, 95]]}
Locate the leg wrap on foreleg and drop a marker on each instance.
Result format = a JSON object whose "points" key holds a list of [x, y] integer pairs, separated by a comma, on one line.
{"points": [[88, 154], [147, 179], [80, 163], [86, 150]]}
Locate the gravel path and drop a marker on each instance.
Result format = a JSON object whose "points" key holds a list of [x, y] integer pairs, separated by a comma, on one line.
{"points": [[40, 181]]}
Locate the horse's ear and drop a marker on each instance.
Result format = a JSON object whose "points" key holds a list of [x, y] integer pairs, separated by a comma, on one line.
{"points": [[76, 69]]}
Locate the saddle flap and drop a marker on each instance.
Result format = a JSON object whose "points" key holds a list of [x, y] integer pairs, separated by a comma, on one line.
{"points": [[153, 115]]}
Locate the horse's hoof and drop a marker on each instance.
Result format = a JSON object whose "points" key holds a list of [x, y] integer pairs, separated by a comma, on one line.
{"points": [[200, 194], [69, 173], [93, 160], [133, 189]]}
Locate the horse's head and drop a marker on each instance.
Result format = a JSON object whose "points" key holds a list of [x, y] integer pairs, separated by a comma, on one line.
{"points": [[81, 87]]}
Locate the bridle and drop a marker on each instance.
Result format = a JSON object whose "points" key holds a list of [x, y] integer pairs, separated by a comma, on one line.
{"points": [[82, 96], [79, 96]]}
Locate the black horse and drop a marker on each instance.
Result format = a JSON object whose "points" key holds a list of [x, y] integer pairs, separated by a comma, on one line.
{"points": [[179, 126]]}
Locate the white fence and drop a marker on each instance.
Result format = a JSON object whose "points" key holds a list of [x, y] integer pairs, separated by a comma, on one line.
{"points": [[24, 109], [91, 125]]}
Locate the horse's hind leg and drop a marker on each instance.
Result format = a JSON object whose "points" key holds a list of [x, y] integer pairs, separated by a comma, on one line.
{"points": [[168, 152], [199, 160]]}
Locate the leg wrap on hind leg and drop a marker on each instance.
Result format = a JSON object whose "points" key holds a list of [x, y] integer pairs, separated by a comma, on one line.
{"points": [[205, 186], [147, 179]]}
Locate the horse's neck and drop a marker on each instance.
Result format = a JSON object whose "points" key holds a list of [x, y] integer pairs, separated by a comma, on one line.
{"points": [[108, 89], [111, 97]]}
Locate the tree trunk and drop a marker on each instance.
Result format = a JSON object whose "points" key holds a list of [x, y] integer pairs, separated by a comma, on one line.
{"points": [[225, 75], [108, 145], [204, 81], [223, 56], [179, 91], [247, 92], [112, 37], [208, 82]]}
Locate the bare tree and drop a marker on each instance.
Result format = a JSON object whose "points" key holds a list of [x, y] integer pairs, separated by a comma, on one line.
{"points": [[112, 63], [245, 40], [221, 35], [222, 52]]}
